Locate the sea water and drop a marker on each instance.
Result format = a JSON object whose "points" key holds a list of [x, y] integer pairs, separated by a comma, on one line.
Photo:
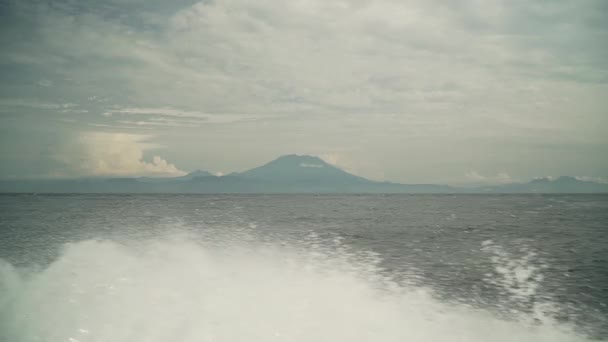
{"points": [[303, 268]]}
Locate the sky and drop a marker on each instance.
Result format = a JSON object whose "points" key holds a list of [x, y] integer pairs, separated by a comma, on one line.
{"points": [[413, 91]]}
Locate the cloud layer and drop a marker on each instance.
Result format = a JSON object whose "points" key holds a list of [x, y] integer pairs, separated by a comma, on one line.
{"points": [[411, 90]]}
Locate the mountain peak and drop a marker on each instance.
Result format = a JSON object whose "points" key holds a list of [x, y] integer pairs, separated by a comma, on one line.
{"points": [[301, 161], [300, 168]]}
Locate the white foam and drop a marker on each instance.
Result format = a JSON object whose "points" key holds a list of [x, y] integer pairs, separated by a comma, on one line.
{"points": [[179, 290]]}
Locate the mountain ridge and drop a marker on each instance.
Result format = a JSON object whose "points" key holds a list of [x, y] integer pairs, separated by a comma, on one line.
{"points": [[285, 174]]}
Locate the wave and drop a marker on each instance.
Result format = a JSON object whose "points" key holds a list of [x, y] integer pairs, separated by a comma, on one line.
{"points": [[180, 289]]}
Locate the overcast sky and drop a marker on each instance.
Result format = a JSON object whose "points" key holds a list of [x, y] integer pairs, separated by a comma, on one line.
{"points": [[444, 91]]}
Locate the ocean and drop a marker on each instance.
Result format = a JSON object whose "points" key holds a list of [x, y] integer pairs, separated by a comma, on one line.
{"points": [[144, 268]]}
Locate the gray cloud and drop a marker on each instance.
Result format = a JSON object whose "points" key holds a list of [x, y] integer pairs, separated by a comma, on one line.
{"points": [[406, 90]]}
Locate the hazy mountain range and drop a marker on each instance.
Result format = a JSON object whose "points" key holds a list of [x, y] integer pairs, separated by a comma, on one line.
{"points": [[286, 174]]}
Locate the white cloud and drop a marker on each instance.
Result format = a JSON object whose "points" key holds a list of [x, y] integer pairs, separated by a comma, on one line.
{"points": [[173, 117], [167, 111], [117, 154], [549, 178]]}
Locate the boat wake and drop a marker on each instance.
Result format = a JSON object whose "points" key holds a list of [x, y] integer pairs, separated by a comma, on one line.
{"points": [[179, 289]]}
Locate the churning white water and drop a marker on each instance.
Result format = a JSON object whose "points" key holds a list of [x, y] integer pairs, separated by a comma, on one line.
{"points": [[181, 290]]}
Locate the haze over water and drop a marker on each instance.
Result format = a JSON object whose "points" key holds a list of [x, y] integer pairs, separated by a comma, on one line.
{"points": [[303, 268]]}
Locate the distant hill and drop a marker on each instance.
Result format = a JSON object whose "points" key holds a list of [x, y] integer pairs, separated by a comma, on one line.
{"points": [[286, 174], [563, 184], [195, 174]]}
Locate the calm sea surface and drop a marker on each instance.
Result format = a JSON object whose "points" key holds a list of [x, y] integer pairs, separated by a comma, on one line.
{"points": [[303, 268]]}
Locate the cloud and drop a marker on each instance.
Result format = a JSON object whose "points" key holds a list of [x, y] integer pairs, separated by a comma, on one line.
{"points": [[28, 103], [172, 117], [412, 88], [116, 154], [313, 56]]}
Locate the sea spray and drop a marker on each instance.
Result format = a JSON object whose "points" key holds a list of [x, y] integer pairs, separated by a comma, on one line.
{"points": [[176, 289]]}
